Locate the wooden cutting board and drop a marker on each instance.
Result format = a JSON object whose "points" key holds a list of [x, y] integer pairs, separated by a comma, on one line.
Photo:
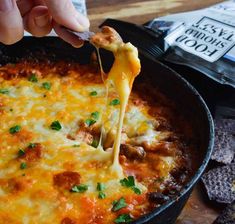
{"points": [[199, 210]]}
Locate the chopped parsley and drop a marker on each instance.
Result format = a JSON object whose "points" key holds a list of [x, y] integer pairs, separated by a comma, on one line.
{"points": [[94, 143], [31, 145], [117, 205], [21, 152], [100, 187], [95, 115], [93, 93], [55, 125], [101, 195], [124, 218], [115, 102], [159, 179], [76, 145], [23, 166], [81, 188], [128, 182], [11, 109], [46, 85], [4, 91], [33, 78], [15, 129], [136, 190], [89, 122]]}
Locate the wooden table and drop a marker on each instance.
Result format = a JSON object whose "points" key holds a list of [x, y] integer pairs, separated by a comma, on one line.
{"points": [[139, 12], [198, 209]]}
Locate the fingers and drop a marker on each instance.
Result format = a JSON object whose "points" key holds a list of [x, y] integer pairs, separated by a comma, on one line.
{"points": [[64, 13], [66, 36], [38, 21], [11, 24], [24, 6]]}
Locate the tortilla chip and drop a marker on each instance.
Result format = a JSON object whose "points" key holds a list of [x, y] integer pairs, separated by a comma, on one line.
{"points": [[224, 149], [219, 183], [227, 216]]}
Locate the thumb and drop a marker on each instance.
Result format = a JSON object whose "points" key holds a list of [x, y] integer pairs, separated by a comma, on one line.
{"points": [[11, 24], [64, 13]]}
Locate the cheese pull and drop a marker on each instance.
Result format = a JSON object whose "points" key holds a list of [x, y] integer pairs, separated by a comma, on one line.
{"points": [[125, 68]]}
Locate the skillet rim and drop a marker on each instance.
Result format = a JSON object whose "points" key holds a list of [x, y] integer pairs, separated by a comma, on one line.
{"points": [[195, 178], [210, 143]]}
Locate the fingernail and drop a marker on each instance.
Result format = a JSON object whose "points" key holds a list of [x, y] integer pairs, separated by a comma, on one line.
{"points": [[6, 5], [77, 45], [83, 21], [42, 21]]}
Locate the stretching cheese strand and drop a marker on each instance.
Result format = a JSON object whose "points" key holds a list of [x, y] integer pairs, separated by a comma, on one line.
{"points": [[122, 75]]}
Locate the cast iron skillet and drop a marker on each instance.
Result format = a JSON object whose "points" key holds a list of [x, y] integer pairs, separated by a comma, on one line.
{"points": [[189, 102]]}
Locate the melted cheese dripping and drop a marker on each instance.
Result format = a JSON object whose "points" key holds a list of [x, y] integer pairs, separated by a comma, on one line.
{"points": [[125, 68]]}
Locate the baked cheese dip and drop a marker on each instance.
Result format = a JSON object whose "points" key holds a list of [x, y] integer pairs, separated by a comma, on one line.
{"points": [[58, 127]]}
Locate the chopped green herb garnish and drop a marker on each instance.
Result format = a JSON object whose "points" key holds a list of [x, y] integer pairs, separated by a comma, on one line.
{"points": [[159, 179], [55, 125], [89, 122], [79, 188], [23, 166], [101, 195], [33, 78], [76, 145], [115, 102], [31, 145], [124, 218], [46, 85], [95, 115], [4, 91], [15, 129], [21, 152], [11, 109], [114, 202], [117, 205], [93, 93], [136, 190], [128, 182], [94, 143], [100, 187]]}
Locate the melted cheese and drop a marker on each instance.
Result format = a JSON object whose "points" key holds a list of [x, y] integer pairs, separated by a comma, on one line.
{"points": [[34, 113], [125, 68], [32, 195], [122, 75]]}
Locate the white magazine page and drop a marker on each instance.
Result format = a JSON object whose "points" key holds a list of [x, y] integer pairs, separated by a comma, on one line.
{"points": [[208, 33]]}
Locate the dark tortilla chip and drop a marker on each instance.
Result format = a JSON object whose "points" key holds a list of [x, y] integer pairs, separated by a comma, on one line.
{"points": [[227, 216], [219, 183], [227, 125], [224, 149]]}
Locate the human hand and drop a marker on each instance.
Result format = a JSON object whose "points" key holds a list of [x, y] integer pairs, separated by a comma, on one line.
{"points": [[38, 17]]}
